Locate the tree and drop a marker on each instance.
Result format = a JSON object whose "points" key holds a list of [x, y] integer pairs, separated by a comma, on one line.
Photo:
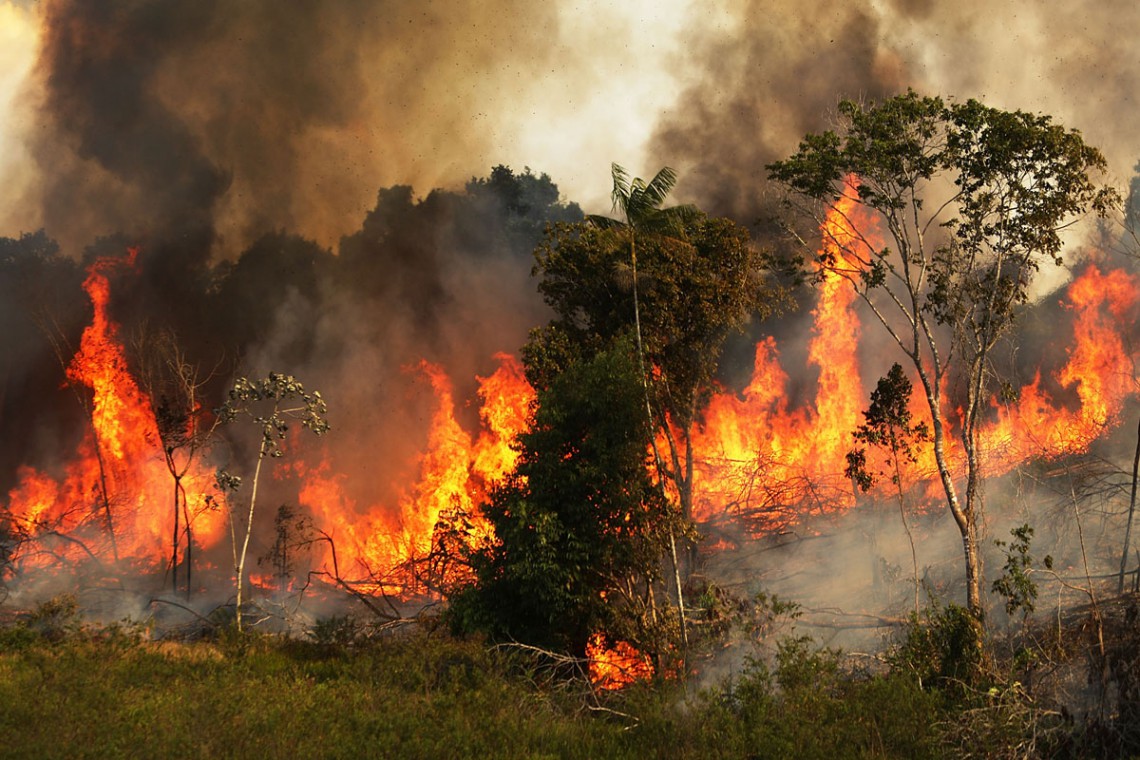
{"points": [[678, 280], [889, 425], [174, 387], [580, 528], [972, 200], [271, 403]]}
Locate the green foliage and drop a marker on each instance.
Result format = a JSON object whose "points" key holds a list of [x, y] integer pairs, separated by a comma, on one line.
{"points": [[55, 618], [942, 650], [336, 632], [1016, 581], [806, 706], [694, 290], [639, 203], [271, 403], [888, 424], [580, 519]]}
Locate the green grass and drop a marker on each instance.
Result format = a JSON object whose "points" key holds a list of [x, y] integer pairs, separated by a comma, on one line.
{"points": [[107, 694], [418, 697]]}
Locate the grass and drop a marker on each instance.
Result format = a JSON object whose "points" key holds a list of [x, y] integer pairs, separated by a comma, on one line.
{"points": [[68, 690], [415, 697], [111, 694]]}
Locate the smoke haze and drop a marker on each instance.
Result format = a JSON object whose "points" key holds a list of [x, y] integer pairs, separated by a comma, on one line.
{"points": [[276, 162]]}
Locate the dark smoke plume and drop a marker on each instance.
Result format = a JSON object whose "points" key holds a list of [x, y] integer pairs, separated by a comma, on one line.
{"points": [[245, 118]]}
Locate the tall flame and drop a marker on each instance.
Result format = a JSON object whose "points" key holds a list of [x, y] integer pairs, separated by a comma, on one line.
{"points": [[115, 497], [756, 455], [456, 472]]}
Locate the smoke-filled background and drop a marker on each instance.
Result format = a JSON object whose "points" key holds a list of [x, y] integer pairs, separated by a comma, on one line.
{"points": [[311, 186]]}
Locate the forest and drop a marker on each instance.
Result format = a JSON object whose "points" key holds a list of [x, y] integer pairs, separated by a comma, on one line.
{"points": [[813, 434], [616, 525]]}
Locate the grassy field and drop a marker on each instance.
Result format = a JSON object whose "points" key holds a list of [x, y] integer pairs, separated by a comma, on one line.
{"points": [[108, 693], [76, 691]]}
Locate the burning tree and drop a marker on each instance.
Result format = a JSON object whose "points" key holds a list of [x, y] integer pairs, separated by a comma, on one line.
{"points": [[174, 387], [973, 200], [678, 280], [270, 403], [580, 528]]}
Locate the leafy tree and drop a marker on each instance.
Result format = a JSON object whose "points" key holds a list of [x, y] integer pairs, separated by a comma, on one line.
{"points": [[580, 527], [889, 426], [1016, 584], [678, 280], [972, 200], [270, 403]]}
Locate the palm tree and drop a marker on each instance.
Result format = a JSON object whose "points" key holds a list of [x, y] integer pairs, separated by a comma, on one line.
{"points": [[639, 203]]}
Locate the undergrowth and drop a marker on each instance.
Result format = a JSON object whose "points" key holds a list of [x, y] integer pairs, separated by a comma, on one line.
{"points": [[74, 690]]}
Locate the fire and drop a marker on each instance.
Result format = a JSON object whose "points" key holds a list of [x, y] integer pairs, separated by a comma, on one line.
{"points": [[114, 499], [456, 471], [756, 457], [754, 454], [615, 667], [1100, 369]]}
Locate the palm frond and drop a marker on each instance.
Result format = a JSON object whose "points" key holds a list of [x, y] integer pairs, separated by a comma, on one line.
{"points": [[621, 192], [660, 186], [604, 222]]}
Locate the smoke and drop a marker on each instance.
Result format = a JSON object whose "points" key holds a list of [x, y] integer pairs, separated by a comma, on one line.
{"points": [[764, 73], [243, 146]]}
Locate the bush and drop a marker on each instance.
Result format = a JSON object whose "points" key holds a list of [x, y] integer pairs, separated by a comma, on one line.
{"points": [[943, 651]]}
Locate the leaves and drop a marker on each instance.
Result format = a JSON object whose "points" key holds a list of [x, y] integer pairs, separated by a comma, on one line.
{"points": [[272, 403], [580, 518], [888, 424]]}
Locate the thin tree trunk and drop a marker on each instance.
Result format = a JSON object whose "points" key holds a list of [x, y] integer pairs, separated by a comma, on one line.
{"points": [[680, 596], [189, 545], [906, 526], [1131, 514], [248, 532], [105, 494], [653, 434], [174, 539]]}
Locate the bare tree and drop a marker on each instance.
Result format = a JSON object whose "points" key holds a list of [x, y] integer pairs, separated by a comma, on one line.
{"points": [[185, 428], [270, 403]]}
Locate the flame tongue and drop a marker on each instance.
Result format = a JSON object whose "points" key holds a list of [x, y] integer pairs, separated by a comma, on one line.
{"points": [[117, 484], [756, 456], [456, 472]]}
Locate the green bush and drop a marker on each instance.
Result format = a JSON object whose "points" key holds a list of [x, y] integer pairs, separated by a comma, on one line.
{"points": [[943, 651]]}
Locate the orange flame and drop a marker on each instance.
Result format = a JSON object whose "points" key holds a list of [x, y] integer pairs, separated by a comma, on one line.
{"points": [[756, 454], [615, 667], [456, 472], [757, 458], [115, 494]]}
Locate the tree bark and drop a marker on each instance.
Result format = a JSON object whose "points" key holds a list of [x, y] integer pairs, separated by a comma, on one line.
{"points": [[1131, 513]]}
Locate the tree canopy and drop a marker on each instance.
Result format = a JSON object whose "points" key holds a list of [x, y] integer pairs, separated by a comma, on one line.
{"points": [[965, 202], [677, 279]]}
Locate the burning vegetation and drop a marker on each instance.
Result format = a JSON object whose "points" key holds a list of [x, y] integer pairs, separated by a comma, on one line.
{"points": [[604, 439]]}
